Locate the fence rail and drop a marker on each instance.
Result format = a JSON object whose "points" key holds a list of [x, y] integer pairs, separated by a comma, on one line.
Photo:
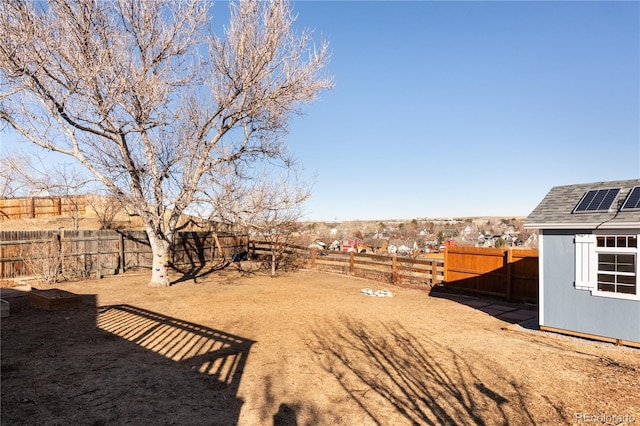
{"points": [[83, 253], [419, 272]]}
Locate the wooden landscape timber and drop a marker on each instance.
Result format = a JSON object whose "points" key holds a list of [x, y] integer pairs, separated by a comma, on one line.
{"points": [[53, 299]]}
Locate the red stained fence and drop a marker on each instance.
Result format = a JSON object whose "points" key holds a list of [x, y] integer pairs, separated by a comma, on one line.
{"points": [[509, 273]]}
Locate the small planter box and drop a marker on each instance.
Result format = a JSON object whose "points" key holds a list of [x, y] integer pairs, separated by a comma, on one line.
{"points": [[54, 299], [5, 311]]}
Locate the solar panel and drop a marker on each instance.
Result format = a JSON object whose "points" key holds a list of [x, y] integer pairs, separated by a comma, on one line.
{"points": [[597, 200], [633, 200]]}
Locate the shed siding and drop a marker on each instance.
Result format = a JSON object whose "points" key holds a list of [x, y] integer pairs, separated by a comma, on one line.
{"points": [[577, 310]]}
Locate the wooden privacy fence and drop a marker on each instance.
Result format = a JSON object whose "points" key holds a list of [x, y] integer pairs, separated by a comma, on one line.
{"points": [[83, 253], [508, 273], [38, 207], [419, 272]]}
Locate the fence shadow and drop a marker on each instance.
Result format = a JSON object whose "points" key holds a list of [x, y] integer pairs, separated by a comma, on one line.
{"points": [[116, 363], [498, 307], [217, 354], [385, 367]]}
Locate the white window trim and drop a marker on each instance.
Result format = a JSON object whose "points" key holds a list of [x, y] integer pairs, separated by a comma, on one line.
{"points": [[587, 263]]}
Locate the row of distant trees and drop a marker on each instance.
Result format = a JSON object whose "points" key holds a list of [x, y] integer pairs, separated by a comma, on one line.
{"points": [[161, 109]]}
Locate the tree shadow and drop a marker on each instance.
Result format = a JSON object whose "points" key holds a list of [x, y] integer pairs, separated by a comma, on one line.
{"points": [[118, 364], [194, 262], [286, 416], [194, 271], [289, 412], [385, 368]]}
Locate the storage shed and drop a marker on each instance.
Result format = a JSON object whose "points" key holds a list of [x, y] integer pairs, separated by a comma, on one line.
{"points": [[588, 260]]}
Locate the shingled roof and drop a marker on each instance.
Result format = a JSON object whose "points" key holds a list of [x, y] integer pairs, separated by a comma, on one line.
{"points": [[556, 210]]}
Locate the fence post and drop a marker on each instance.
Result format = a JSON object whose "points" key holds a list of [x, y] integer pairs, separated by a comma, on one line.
{"points": [[445, 272], [212, 256], [98, 272], [352, 262], [508, 260], [58, 252], [31, 207], [313, 253], [121, 249], [434, 272], [394, 269]]}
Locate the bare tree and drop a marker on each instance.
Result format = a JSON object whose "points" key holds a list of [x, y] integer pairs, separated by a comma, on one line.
{"points": [[10, 177], [150, 100], [43, 259], [30, 175], [106, 209], [267, 206]]}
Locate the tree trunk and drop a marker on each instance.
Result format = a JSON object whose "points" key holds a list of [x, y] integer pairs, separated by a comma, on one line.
{"points": [[160, 265]]}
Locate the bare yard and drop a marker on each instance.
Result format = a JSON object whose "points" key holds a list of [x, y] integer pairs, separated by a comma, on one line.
{"points": [[305, 348]]}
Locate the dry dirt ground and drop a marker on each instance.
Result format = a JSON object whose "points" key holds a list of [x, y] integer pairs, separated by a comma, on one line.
{"points": [[304, 348]]}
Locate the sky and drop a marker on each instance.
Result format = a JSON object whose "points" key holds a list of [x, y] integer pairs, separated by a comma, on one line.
{"points": [[463, 109], [460, 109]]}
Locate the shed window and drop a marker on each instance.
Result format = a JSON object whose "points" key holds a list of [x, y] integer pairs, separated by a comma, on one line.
{"points": [[617, 273]]}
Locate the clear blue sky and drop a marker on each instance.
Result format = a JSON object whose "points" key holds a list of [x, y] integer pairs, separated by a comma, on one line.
{"points": [[457, 109]]}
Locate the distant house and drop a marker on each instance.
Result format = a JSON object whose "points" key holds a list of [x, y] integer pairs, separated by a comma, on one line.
{"points": [[588, 260], [318, 245], [377, 244], [490, 240], [509, 238], [348, 244]]}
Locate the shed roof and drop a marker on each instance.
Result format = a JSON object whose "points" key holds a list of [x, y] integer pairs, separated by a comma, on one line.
{"points": [[556, 210]]}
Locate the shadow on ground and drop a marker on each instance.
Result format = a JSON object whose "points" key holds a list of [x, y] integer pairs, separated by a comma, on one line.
{"points": [[386, 369], [108, 365], [512, 312], [198, 270]]}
